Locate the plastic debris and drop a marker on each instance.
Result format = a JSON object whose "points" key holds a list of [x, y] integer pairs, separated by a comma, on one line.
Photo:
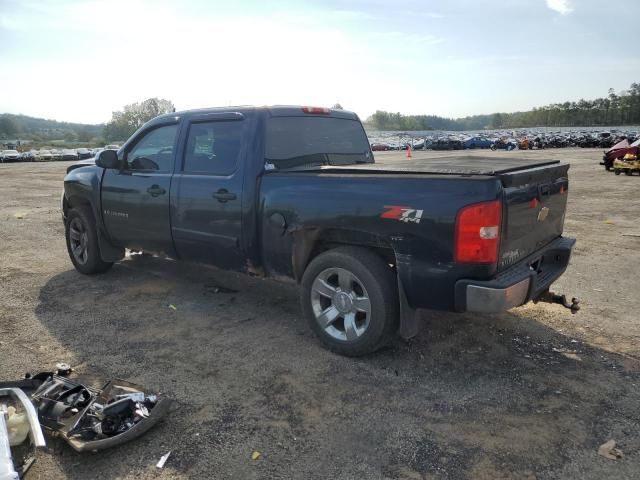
{"points": [[163, 459], [63, 369], [255, 455], [91, 419], [609, 450], [172, 306]]}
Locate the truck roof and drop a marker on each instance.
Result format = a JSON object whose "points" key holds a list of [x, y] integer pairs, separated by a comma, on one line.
{"points": [[274, 110]]}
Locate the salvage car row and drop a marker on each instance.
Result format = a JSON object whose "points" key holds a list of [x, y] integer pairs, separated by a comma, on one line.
{"points": [[522, 140], [46, 155]]}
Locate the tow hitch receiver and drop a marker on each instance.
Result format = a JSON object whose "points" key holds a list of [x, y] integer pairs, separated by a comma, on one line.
{"points": [[550, 297]]}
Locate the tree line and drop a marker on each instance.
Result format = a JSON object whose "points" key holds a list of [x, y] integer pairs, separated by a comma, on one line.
{"points": [[23, 127], [121, 126], [614, 109]]}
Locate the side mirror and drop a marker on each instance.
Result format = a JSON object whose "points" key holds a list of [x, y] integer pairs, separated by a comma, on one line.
{"points": [[108, 159]]}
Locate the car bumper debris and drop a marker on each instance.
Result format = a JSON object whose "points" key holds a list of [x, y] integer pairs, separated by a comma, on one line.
{"points": [[87, 418]]}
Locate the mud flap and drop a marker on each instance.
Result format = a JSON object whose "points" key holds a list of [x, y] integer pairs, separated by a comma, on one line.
{"points": [[108, 252], [408, 327]]}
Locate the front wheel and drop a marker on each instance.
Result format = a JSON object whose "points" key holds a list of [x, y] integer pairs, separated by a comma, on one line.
{"points": [[82, 241], [616, 171], [350, 298]]}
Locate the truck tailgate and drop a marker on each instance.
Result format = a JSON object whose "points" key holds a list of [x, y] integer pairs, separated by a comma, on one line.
{"points": [[535, 205]]}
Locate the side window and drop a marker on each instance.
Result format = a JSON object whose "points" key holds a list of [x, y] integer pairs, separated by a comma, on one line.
{"points": [[213, 147], [154, 151]]}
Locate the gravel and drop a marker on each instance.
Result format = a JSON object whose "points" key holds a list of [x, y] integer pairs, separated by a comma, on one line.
{"points": [[531, 393]]}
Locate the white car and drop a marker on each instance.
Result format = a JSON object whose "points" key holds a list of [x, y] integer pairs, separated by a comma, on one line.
{"points": [[9, 156], [69, 154], [45, 155]]}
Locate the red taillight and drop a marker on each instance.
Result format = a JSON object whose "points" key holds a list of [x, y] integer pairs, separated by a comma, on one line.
{"points": [[478, 233], [316, 110]]}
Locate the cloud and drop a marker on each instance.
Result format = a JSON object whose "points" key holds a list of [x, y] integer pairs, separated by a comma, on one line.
{"points": [[563, 7]]}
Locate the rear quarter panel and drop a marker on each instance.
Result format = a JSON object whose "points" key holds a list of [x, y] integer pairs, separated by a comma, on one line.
{"points": [[313, 204]]}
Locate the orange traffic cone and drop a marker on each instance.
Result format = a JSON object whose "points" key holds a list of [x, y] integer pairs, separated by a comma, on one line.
{"points": [[409, 151]]}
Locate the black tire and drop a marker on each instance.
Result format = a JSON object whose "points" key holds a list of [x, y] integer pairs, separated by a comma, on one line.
{"points": [[616, 171], [80, 219], [380, 287], [628, 172]]}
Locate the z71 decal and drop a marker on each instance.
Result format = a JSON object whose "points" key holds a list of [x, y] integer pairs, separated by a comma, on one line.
{"points": [[402, 214]]}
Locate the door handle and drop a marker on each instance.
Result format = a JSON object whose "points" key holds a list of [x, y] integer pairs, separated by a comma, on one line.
{"points": [[155, 190], [223, 195]]}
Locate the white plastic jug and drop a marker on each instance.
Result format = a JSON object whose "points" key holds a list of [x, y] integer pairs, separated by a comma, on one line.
{"points": [[17, 425]]}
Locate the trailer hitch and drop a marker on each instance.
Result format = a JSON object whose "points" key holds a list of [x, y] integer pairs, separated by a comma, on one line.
{"points": [[550, 297]]}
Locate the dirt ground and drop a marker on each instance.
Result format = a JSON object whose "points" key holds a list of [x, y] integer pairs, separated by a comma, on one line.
{"points": [[530, 393]]}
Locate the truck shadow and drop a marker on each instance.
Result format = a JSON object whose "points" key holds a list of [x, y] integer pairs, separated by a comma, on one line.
{"points": [[475, 396]]}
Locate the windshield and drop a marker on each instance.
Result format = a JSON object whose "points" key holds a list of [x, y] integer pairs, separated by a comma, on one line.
{"points": [[316, 140]]}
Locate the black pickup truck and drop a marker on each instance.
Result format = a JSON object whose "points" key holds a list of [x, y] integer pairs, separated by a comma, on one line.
{"points": [[294, 193]]}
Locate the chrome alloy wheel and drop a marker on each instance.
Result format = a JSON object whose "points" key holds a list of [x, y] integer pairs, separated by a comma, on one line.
{"points": [[340, 304], [79, 240]]}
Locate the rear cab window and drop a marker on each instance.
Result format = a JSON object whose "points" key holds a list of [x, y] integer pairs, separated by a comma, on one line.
{"points": [[315, 140]]}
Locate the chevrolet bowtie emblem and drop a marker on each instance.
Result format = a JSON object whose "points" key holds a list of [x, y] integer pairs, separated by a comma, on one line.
{"points": [[542, 214]]}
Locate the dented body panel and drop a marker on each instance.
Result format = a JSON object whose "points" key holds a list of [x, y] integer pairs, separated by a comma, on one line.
{"points": [[354, 213]]}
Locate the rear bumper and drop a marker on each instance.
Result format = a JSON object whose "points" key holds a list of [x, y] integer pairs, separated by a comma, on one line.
{"points": [[522, 282]]}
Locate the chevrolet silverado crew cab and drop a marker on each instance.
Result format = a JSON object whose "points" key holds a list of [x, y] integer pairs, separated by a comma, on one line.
{"points": [[294, 193]]}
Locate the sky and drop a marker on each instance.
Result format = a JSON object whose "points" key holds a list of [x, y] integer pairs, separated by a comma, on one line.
{"points": [[81, 60]]}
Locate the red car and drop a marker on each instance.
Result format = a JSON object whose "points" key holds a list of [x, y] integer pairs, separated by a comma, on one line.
{"points": [[619, 150], [380, 147]]}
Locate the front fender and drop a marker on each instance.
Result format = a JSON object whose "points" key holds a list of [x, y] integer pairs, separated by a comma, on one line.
{"points": [[82, 187]]}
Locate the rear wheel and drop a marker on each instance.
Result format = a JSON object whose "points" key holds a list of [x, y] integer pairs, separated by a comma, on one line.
{"points": [[82, 241], [350, 299], [628, 172], [616, 171]]}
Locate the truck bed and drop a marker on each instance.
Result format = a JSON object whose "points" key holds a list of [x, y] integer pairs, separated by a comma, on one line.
{"points": [[452, 165]]}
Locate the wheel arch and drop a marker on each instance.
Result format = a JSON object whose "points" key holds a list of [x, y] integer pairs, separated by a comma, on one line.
{"points": [[69, 202], [309, 243], [108, 251]]}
